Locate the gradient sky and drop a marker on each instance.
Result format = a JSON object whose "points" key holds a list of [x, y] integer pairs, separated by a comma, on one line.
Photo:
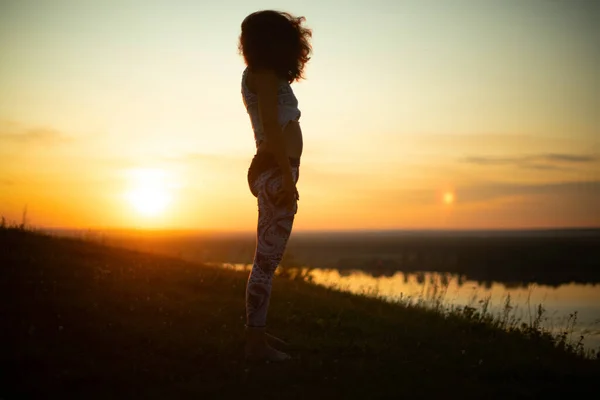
{"points": [[107, 104]]}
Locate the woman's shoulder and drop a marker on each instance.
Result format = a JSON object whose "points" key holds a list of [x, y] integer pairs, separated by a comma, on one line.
{"points": [[263, 78]]}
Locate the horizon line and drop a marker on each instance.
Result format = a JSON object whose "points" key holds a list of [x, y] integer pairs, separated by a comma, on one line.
{"points": [[349, 230]]}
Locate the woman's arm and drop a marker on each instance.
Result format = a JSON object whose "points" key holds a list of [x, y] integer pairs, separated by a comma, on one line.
{"points": [[266, 84]]}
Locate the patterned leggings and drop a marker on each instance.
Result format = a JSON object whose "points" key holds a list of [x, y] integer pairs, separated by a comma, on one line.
{"points": [[273, 231]]}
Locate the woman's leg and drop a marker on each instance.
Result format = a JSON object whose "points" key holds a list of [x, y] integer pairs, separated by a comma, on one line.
{"points": [[273, 231]]}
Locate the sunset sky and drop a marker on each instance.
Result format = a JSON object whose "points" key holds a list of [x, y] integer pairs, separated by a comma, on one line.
{"points": [[416, 114]]}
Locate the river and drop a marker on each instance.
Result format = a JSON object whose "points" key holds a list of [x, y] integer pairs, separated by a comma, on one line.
{"points": [[559, 302]]}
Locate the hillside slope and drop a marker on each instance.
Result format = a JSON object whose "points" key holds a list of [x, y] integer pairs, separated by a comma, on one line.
{"points": [[81, 320]]}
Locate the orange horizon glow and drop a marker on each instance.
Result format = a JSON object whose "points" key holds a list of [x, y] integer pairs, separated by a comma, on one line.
{"points": [[131, 117]]}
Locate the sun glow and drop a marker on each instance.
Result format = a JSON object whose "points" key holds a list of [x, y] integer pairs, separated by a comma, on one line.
{"points": [[448, 198], [149, 194]]}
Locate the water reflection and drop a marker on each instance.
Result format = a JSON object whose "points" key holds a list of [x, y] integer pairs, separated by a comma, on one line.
{"points": [[457, 290], [454, 289]]}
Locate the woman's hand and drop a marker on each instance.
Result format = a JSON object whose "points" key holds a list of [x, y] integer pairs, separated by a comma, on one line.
{"points": [[288, 195]]}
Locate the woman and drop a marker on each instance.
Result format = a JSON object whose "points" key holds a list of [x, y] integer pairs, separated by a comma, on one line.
{"points": [[276, 48]]}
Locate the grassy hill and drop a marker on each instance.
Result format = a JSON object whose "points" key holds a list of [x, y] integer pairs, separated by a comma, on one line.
{"points": [[80, 320]]}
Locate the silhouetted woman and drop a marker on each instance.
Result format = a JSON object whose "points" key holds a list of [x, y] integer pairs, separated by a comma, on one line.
{"points": [[276, 48]]}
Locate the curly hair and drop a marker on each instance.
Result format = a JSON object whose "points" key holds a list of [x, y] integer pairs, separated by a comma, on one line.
{"points": [[277, 41]]}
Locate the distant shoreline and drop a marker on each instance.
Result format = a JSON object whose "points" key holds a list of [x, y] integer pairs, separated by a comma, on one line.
{"points": [[529, 232]]}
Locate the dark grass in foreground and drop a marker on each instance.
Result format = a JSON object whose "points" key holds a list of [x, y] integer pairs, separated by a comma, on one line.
{"points": [[84, 321]]}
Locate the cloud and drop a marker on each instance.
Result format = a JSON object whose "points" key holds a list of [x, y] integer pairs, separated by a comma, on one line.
{"points": [[215, 162], [549, 161], [570, 158], [211, 157], [492, 191], [6, 182], [45, 136]]}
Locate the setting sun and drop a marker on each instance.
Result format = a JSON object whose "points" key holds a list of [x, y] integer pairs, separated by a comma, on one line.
{"points": [[448, 198], [149, 194]]}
